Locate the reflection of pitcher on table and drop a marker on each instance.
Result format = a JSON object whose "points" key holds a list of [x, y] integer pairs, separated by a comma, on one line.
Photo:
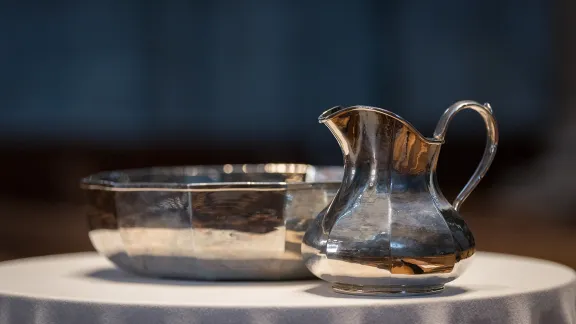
{"points": [[389, 229]]}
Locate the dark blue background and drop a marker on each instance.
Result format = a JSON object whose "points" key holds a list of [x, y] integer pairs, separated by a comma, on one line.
{"points": [[131, 72]]}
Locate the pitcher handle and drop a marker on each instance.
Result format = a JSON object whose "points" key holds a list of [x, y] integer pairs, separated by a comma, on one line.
{"points": [[491, 142]]}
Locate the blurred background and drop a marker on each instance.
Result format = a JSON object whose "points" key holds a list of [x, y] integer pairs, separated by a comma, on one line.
{"points": [[87, 86]]}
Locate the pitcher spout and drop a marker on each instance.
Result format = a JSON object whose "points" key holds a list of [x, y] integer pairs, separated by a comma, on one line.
{"points": [[325, 116], [340, 118], [378, 139]]}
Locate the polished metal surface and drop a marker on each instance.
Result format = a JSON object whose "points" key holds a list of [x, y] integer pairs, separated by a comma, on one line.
{"points": [[389, 230], [229, 222]]}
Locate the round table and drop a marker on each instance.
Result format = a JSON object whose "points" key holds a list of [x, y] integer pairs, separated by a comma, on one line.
{"points": [[86, 288]]}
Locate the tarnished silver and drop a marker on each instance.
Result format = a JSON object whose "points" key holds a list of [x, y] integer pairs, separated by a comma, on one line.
{"points": [[229, 222], [389, 230]]}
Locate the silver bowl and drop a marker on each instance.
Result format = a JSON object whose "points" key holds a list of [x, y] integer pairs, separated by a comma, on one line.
{"points": [[227, 222]]}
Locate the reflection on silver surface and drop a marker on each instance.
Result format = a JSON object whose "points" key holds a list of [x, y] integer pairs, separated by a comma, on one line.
{"points": [[230, 222], [389, 230]]}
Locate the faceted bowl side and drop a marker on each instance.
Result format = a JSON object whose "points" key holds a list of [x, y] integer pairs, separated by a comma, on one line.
{"points": [[234, 230]]}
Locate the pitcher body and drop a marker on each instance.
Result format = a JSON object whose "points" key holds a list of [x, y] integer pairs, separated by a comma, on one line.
{"points": [[389, 229]]}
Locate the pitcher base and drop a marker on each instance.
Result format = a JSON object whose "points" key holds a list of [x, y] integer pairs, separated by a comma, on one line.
{"points": [[386, 290]]}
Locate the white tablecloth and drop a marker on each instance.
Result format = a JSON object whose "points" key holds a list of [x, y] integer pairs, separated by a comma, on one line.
{"points": [[85, 289]]}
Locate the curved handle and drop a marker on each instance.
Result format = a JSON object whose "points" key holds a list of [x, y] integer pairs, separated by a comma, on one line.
{"points": [[491, 142]]}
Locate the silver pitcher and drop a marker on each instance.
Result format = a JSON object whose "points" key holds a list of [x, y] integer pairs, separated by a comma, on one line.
{"points": [[389, 229]]}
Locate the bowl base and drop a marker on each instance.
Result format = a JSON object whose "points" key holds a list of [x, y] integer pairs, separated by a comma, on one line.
{"points": [[386, 290]]}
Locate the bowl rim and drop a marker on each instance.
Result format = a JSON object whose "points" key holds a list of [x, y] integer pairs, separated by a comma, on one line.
{"points": [[98, 181]]}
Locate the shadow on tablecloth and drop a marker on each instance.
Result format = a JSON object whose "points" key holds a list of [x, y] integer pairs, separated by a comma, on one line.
{"points": [[117, 275], [325, 290]]}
